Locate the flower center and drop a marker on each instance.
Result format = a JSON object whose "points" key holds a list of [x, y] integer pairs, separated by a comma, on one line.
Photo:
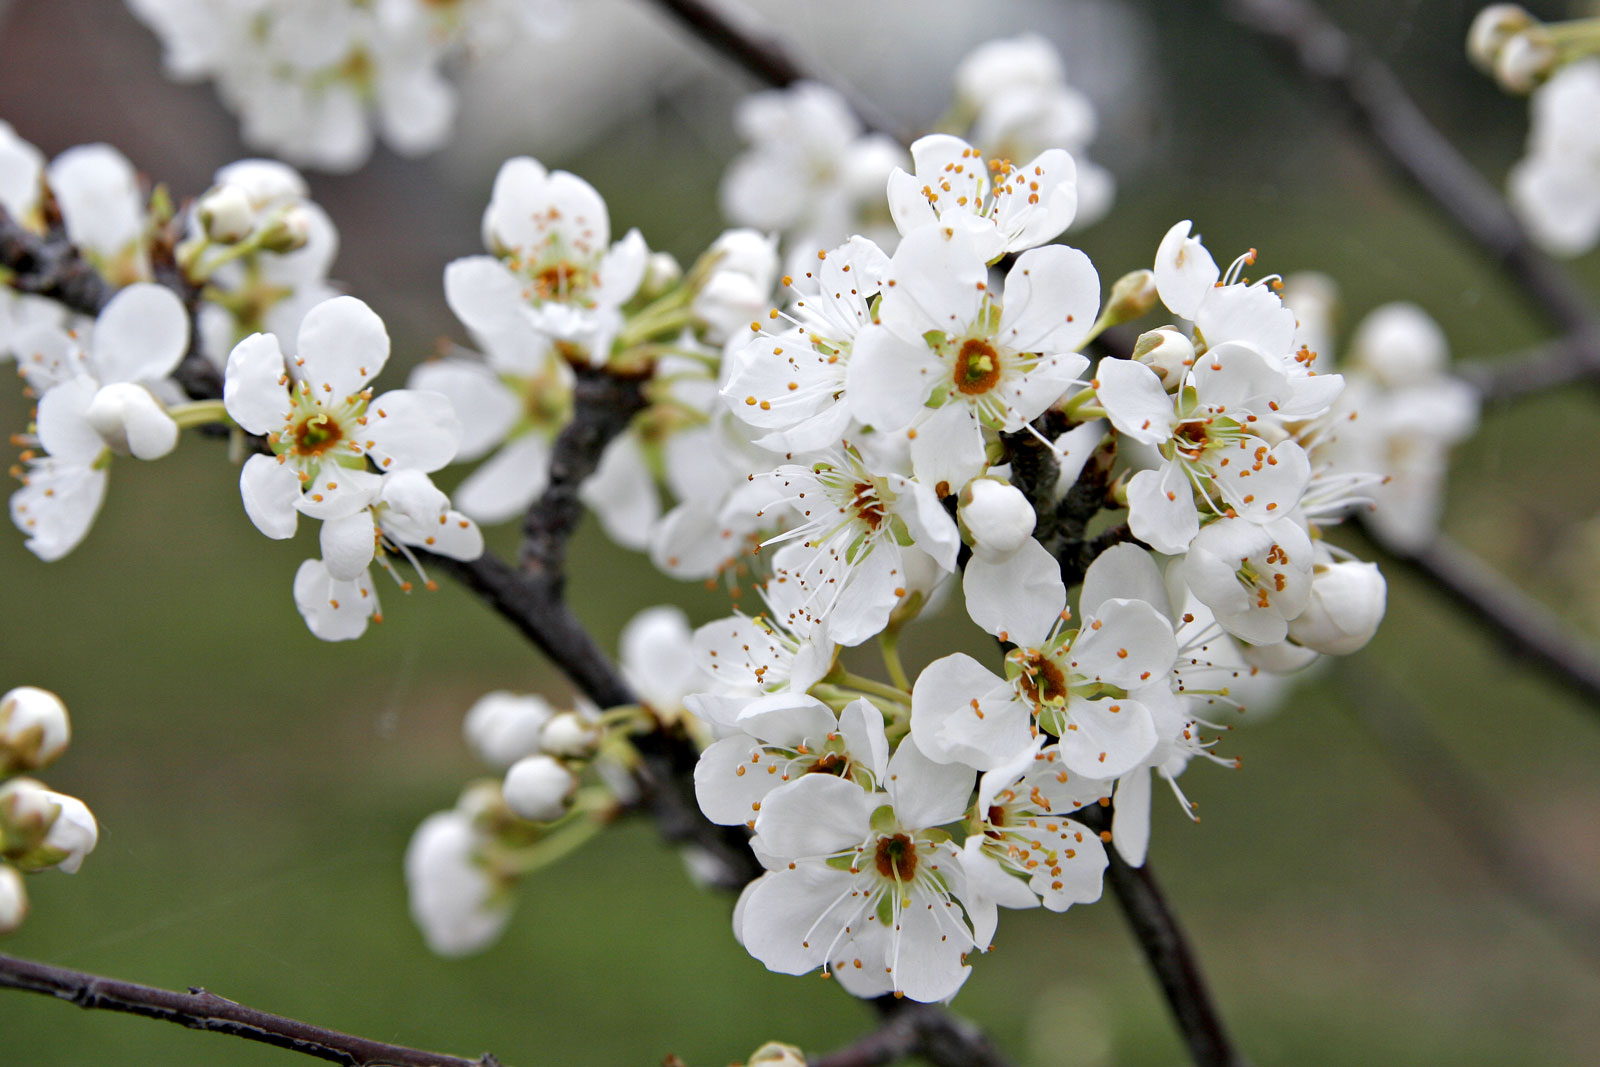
{"points": [[558, 280], [897, 857], [977, 367], [867, 504], [828, 763], [1042, 681], [997, 819], [316, 434]]}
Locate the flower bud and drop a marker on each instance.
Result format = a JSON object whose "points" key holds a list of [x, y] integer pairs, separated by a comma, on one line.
{"points": [[744, 264], [997, 516], [777, 1054], [482, 802], [41, 828], [1401, 345], [225, 214], [1525, 60], [503, 727], [1167, 352], [13, 899], [34, 729], [1132, 295], [661, 272], [537, 788], [1346, 606], [131, 420], [288, 232], [570, 734], [1494, 26], [455, 902]]}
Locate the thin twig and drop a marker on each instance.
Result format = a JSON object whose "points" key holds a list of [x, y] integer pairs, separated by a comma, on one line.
{"points": [[199, 1010], [912, 1029], [1527, 629], [732, 32], [1476, 816], [1535, 370], [51, 266], [1166, 948], [1380, 106]]}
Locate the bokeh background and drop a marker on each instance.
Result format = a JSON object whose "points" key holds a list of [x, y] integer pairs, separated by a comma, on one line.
{"points": [[256, 787]]}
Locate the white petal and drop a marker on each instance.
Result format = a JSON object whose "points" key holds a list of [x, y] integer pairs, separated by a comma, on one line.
{"points": [[1134, 400], [926, 793], [502, 488], [1161, 509], [270, 491], [889, 379], [1107, 737], [343, 344], [412, 429], [1052, 296], [815, 816], [1185, 272], [486, 408], [253, 389], [1018, 598], [63, 426], [140, 336], [946, 703], [348, 545]]}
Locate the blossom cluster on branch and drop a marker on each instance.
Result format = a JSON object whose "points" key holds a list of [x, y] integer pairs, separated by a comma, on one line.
{"points": [[886, 392]]}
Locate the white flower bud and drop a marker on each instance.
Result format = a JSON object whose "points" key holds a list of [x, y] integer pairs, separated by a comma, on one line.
{"points": [[34, 729], [744, 264], [1132, 295], [570, 734], [1401, 345], [504, 727], [537, 788], [997, 515], [777, 1054], [1025, 61], [289, 231], [1167, 352], [13, 899], [226, 215], [455, 903], [1347, 604], [482, 802], [43, 828], [1494, 26], [1525, 60], [661, 272], [132, 421]]}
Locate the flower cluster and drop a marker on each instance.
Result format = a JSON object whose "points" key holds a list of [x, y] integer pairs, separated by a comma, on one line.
{"points": [[920, 412], [310, 78], [40, 829]]}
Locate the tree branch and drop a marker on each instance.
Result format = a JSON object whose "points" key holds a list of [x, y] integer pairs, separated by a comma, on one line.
{"points": [[1166, 948], [912, 1029], [199, 1010], [1566, 361], [1380, 106], [763, 54], [51, 266], [1526, 628]]}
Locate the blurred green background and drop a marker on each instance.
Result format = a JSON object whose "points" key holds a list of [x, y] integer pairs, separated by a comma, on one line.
{"points": [[256, 787]]}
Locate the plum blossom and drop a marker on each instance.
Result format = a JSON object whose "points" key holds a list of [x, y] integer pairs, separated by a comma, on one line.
{"points": [[863, 883], [1003, 207], [1084, 684], [553, 272], [322, 423], [947, 360]]}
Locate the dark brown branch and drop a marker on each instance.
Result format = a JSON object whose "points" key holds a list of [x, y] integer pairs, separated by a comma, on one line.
{"points": [[761, 53], [51, 266], [912, 1029], [199, 1010], [1527, 629], [1383, 110], [603, 405], [1473, 813], [1167, 950]]}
